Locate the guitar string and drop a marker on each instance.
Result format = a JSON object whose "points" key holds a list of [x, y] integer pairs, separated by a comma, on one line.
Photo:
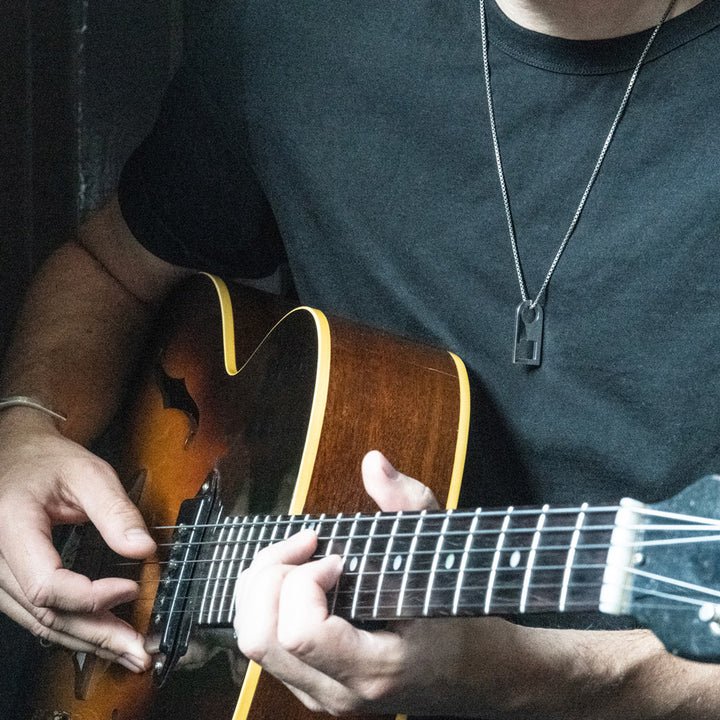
{"points": [[230, 562], [449, 536], [389, 610], [500, 586], [467, 512], [280, 521], [260, 520], [461, 533], [430, 551], [471, 553], [306, 522], [468, 571], [220, 601]]}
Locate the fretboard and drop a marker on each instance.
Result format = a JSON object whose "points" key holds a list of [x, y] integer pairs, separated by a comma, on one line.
{"points": [[407, 565]]}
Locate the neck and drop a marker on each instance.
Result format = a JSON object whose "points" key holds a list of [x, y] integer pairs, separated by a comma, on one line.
{"points": [[590, 19], [428, 564]]}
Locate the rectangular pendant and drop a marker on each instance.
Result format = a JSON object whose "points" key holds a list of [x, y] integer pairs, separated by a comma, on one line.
{"points": [[527, 348]]}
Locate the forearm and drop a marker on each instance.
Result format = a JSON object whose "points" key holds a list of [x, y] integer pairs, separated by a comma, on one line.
{"points": [[587, 675], [83, 321], [74, 340]]}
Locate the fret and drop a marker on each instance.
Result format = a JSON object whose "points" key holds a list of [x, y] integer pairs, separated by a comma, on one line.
{"points": [[232, 574], [316, 526], [294, 526], [408, 563], [496, 560], [222, 573], [207, 596], [464, 561], [422, 567], [449, 561], [307, 523], [363, 563], [334, 603], [385, 562], [394, 545], [261, 536], [246, 548], [531, 559], [276, 522], [349, 561], [436, 557], [351, 535], [467, 596], [215, 569], [583, 591], [333, 533], [571, 557]]}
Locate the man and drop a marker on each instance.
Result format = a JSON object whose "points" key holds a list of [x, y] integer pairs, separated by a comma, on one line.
{"points": [[378, 141]]}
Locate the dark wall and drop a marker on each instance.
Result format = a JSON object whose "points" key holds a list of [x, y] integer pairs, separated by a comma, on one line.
{"points": [[80, 82]]}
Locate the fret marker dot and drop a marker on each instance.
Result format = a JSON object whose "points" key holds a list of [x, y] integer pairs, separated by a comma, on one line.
{"points": [[353, 564], [515, 559], [397, 562], [449, 561]]}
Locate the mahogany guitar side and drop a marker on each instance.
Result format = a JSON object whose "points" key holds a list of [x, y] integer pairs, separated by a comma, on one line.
{"points": [[283, 410]]}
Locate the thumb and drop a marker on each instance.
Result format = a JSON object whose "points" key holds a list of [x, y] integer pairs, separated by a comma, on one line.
{"points": [[115, 516], [392, 490]]}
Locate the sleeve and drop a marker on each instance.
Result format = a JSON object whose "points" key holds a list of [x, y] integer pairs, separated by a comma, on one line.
{"points": [[189, 193]]}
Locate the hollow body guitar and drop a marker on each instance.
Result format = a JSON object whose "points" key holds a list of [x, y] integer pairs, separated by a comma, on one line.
{"points": [[276, 415], [238, 439]]}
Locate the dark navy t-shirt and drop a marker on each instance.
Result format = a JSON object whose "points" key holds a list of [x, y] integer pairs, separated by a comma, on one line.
{"points": [[351, 139]]}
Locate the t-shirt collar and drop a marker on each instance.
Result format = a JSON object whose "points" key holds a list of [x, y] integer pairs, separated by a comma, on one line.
{"points": [[596, 57]]}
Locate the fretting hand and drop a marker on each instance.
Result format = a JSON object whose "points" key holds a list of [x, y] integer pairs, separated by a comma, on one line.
{"points": [[283, 623]]}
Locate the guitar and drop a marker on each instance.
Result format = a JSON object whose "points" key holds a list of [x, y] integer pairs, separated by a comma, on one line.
{"points": [[237, 440]]}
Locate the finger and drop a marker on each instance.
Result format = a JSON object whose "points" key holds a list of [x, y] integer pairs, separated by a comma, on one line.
{"points": [[307, 700], [257, 591], [296, 550], [303, 602], [31, 556], [342, 655], [392, 490], [256, 622], [103, 634], [112, 512]]}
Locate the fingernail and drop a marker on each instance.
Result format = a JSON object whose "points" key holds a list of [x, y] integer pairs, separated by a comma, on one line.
{"points": [[137, 536], [132, 663], [387, 468]]}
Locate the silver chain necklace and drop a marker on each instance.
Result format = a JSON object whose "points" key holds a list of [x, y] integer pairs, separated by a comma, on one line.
{"points": [[529, 320]]}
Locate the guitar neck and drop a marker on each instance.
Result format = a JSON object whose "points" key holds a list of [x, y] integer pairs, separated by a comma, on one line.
{"points": [[454, 563]]}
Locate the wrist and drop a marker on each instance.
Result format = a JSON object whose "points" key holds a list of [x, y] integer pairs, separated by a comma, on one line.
{"points": [[16, 413], [25, 401]]}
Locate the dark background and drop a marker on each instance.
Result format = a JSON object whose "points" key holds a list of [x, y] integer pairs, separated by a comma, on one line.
{"points": [[80, 83]]}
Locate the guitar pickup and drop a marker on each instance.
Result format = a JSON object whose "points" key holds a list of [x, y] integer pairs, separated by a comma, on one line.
{"points": [[177, 594]]}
